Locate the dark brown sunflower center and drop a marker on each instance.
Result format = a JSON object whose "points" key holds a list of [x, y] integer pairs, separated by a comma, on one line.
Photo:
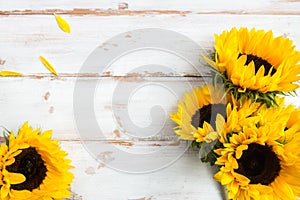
{"points": [[259, 163], [208, 114], [30, 164], [258, 62]]}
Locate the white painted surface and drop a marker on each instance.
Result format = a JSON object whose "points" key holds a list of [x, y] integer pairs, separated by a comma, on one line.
{"points": [[34, 35], [243, 6], [28, 30]]}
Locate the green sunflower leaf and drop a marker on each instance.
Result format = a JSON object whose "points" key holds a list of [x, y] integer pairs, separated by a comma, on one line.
{"points": [[6, 134]]}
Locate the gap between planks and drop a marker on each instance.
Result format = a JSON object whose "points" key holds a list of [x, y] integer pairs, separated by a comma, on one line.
{"points": [[108, 75], [121, 12]]}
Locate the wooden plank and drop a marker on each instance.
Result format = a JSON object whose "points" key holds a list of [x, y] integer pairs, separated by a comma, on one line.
{"points": [[49, 103], [187, 178], [25, 38], [123, 106], [82, 7]]}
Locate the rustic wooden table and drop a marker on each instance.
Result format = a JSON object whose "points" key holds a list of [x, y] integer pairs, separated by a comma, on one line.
{"points": [[126, 90]]}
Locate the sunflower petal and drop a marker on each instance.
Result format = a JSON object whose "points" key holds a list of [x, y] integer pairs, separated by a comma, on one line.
{"points": [[15, 178], [10, 73], [239, 151], [62, 23], [48, 65], [282, 189]]}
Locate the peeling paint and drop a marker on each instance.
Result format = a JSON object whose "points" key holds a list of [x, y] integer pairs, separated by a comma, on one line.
{"points": [[97, 12], [101, 165], [108, 73], [2, 62], [117, 133], [129, 78], [105, 156], [123, 143], [121, 12], [51, 109], [90, 171], [123, 6], [38, 77], [46, 96], [107, 107], [143, 198], [155, 145]]}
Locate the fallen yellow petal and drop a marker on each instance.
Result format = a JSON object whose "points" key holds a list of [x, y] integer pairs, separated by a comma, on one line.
{"points": [[62, 23], [9, 73], [48, 65]]}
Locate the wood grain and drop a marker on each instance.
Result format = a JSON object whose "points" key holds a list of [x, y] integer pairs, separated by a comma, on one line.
{"points": [[213, 6], [187, 178], [40, 35], [28, 30], [50, 104], [121, 12]]}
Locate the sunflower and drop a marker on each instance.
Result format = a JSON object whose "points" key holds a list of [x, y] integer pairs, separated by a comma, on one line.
{"points": [[255, 64], [197, 113], [238, 114], [254, 164], [286, 116], [33, 167], [203, 114]]}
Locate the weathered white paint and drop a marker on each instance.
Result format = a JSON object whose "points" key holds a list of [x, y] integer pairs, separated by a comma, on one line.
{"points": [[187, 178], [28, 30], [48, 102], [242, 6], [31, 36]]}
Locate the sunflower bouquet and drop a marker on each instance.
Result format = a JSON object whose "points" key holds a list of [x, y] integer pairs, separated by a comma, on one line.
{"points": [[32, 166], [240, 122]]}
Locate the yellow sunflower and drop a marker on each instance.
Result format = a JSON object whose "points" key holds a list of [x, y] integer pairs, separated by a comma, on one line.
{"points": [[197, 113], [34, 167], [238, 114], [286, 116], [254, 165], [255, 64]]}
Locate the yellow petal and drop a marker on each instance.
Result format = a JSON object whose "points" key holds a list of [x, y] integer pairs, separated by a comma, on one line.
{"points": [[239, 151], [10, 73], [210, 62], [48, 65], [234, 187], [242, 90], [9, 161], [220, 121], [62, 23], [227, 178], [15, 178], [212, 136], [242, 179], [218, 176], [47, 134], [4, 191], [14, 154], [282, 189]]}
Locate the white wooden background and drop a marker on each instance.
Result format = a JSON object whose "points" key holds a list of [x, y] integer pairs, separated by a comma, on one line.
{"points": [[28, 30]]}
